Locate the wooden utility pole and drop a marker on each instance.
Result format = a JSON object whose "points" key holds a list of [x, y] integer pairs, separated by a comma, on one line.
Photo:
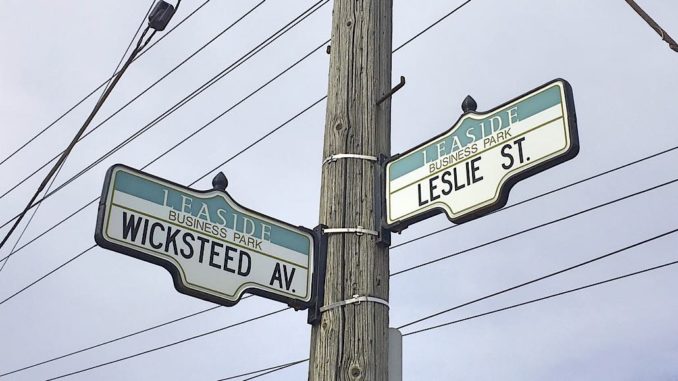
{"points": [[351, 341]]}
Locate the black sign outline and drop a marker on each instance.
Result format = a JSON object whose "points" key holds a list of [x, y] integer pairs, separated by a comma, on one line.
{"points": [[174, 271], [507, 185]]}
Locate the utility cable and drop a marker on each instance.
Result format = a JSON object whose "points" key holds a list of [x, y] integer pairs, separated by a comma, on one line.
{"points": [[109, 341], [243, 150], [267, 370], [398, 48], [21, 235], [439, 259], [104, 83], [404, 270], [83, 252], [171, 344], [542, 298], [535, 227], [595, 176], [653, 24], [550, 275], [592, 177], [136, 97], [117, 339], [48, 274], [393, 274], [35, 211], [193, 94], [286, 365], [131, 42], [450, 13], [191, 184], [394, 51], [140, 45], [294, 363], [276, 77], [283, 366]]}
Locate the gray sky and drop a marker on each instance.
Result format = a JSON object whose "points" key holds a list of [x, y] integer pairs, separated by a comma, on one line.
{"points": [[623, 77]]}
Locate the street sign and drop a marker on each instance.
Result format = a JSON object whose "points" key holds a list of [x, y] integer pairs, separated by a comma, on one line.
{"points": [[214, 248], [469, 170]]}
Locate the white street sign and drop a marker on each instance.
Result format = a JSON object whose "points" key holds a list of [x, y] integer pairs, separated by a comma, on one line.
{"points": [[468, 171], [214, 248]]}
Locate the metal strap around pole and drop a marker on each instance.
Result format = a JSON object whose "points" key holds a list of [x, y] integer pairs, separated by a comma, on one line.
{"points": [[333, 158], [355, 299], [357, 230]]}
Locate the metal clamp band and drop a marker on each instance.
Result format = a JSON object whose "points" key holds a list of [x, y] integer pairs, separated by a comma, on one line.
{"points": [[334, 158], [354, 299], [358, 231]]}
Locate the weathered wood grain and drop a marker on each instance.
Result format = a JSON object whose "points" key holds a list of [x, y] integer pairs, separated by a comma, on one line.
{"points": [[350, 343]]}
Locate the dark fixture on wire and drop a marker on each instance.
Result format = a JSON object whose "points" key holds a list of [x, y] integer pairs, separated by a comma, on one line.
{"points": [[161, 15]]}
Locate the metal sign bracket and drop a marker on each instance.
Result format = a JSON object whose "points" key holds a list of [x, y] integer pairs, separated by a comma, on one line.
{"points": [[384, 237], [355, 299], [318, 284]]}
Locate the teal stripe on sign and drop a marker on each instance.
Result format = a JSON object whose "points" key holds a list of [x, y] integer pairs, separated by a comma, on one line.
{"points": [[139, 187], [472, 130], [218, 211]]}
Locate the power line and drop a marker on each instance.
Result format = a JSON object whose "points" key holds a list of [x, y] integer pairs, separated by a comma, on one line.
{"points": [[283, 366], [147, 127], [463, 251], [110, 341], [171, 344], [277, 369], [46, 275], [131, 42], [272, 368], [393, 274], [395, 50], [289, 364], [35, 211], [570, 268], [162, 116], [245, 149], [431, 26], [83, 252], [193, 183], [135, 98], [195, 93], [276, 77], [398, 48], [398, 272], [542, 298], [51, 228], [535, 227], [117, 338], [104, 83], [597, 175], [109, 88], [653, 24], [404, 44]]}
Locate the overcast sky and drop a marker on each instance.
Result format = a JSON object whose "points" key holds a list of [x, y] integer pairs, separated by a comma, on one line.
{"points": [[624, 81]]}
